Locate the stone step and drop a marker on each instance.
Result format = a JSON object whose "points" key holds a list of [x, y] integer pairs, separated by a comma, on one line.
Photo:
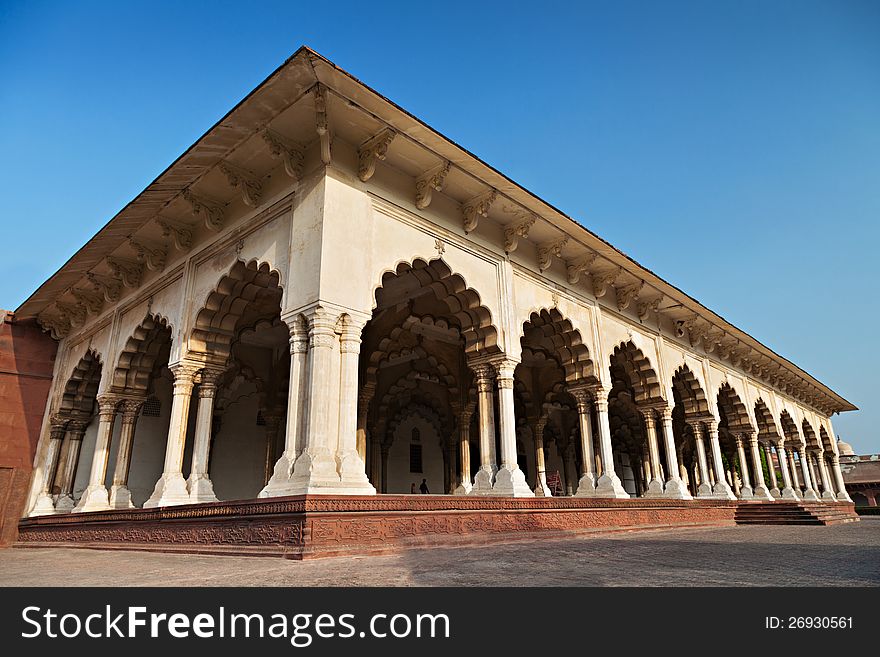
{"points": [[793, 513]]}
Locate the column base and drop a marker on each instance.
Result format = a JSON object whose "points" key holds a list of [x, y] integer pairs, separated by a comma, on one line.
{"points": [[746, 493], [353, 473], [761, 493], [511, 482], [170, 490], [655, 488], [704, 490], [464, 488], [279, 483], [788, 493], [541, 488], [201, 490], [94, 498], [841, 497], [775, 493], [64, 503], [828, 495], [44, 506], [810, 496], [722, 491], [483, 480], [120, 498], [586, 486], [611, 486], [314, 473], [675, 489]]}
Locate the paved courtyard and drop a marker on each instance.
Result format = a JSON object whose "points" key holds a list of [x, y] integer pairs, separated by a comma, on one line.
{"points": [[842, 555]]}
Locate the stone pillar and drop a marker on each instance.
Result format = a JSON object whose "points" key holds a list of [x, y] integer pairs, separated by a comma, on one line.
{"points": [[541, 487], [759, 489], [509, 479], [66, 474], [485, 477], [315, 469], [273, 425], [44, 504], [352, 468], [774, 482], [171, 487], [795, 478], [827, 491], [95, 497], [842, 495], [721, 489], [745, 491], [571, 478], [675, 487], [788, 492], [813, 477], [376, 463], [809, 492], [587, 484], [364, 398], [464, 452], [655, 483], [279, 483], [199, 483], [120, 496], [705, 488], [608, 484]]}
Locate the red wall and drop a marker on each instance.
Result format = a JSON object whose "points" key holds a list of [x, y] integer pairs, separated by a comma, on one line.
{"points": [[27, 356]]}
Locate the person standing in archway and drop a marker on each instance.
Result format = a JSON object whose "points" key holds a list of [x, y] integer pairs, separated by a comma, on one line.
{"points": [[424, 487]]}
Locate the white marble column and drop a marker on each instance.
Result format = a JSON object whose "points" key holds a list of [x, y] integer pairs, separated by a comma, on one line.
{"points": [[510, 481], [809, 492], [655, 483], [675, 487], [788, 492], [315, 470], [842, 494], [272, 427], [95, 497], [66, 473], [463, 418], [721, 489], [745, 491], [570, 467], [813, 475], [795, 477], [771, 469], [352, 468], [199, 484], [120, 495], [541, 487], [608, 484], [171, 488], [44, 505], [376, 462], [587, 484], [705, 488], [760, 487], [279, 483], [827, 490], [485, 477]]}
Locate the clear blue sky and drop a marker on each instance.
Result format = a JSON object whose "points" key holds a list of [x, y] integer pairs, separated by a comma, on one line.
{"points": [[733, 148]]}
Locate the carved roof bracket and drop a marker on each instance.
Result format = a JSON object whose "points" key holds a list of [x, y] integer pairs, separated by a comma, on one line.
{"points": [[92, 301], [547, 250], [627, 294], [181, 235], [73, 312], [643, 308], [210, 211], [322, 125], [373, 150], [130, 273], [477, 207], [601, 281], [153, 255], [243, 180], [429, 182], [110, 287], [289, 152], [574, 268], [518, 230]]}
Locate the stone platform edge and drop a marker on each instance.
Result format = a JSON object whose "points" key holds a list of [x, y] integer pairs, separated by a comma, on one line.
{"points": [[305, 527]]}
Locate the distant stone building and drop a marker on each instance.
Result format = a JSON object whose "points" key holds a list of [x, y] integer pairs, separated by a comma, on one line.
{"points": [[861, 474]]}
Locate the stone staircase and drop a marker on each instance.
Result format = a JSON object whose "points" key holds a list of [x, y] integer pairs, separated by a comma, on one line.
{"points": [[794, 513]]}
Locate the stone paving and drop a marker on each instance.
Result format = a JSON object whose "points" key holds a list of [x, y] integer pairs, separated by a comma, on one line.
{"points": [[841, 555]]}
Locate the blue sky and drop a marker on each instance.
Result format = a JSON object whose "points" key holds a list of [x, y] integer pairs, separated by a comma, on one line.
{"points": [[731, 147]]}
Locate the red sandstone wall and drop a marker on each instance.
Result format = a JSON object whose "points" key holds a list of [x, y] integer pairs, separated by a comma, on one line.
{"points": [[27, 356]]}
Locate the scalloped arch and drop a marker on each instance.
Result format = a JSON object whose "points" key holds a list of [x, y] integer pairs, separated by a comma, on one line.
{"points": [[550, 331], [81, 388], [139, 356], [733, 410], [639, 373], [690, 392]]}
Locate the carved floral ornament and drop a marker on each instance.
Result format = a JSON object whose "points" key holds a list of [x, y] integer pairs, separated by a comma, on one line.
{"points": [[429, 182]]}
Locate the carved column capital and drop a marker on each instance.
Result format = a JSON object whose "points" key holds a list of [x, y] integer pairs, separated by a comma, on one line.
{"points": [[208, 381], [130, 410], [504, 369], [483, 375], [184, 377], [107, 404]]}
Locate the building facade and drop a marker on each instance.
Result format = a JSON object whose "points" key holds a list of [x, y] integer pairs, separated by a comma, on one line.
{"points": [[323, 296]]}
